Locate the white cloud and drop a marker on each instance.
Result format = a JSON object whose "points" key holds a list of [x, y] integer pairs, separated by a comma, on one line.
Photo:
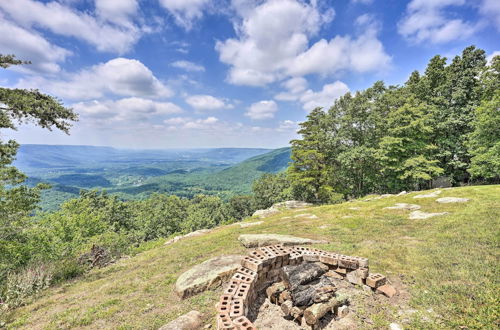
{"points": [[426, 21], [117, 11], [185, 12], [325, 97], [179, 123], [295, 87], [119, 76], [491, 10], [287, 125], [188, 66], [131, 109], [207, 102], [262, 110], [489, 59], [273, 44], [28, 45], [65, 21], [365, 2]]}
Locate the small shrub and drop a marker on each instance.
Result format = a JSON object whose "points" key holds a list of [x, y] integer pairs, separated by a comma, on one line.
{"points": [[20, 286]]}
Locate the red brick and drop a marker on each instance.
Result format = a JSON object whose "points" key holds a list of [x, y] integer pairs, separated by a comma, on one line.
{"points": [[328, 258], [243, 278], [375, 280], [231, 288], [243, 323], [237, 308], [387, 290], [251, 263], [224, 305], [242, 292], [362, 272], [270, 256], [362, 262], [224, 322], [247, 272], [347, 262]]}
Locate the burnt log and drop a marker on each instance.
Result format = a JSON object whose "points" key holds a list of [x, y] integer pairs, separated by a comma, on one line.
{"points": [[305, 295], [286, 307], [293, 276], [273, 292], [314, 313]]}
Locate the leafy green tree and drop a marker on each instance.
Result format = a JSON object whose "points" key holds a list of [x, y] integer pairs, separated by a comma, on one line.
{"points": [[406, 153], [484, 143], [17, 201], [160, 215], [240, 207], [204, 212], [269, 189]]}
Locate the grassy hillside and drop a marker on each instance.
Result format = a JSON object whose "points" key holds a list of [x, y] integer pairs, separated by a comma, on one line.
{"points": [[446, 267]]}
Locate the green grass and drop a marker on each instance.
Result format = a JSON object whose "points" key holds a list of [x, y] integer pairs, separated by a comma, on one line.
{"points": [[447, 267]]}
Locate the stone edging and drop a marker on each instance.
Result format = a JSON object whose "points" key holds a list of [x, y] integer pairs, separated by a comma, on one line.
{"points": [[262, 267]]}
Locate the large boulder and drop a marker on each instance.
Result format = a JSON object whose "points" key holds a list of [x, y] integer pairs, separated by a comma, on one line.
{"points": [[207, 275], [190, 321], [445, 200], [191, 234], [256, 240]]}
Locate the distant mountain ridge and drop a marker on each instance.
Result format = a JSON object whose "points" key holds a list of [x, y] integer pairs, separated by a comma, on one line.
{"points": [[36, 156]]}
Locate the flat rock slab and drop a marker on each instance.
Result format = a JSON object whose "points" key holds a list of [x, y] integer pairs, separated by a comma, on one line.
{"points": [[207, 275], [192, 234], [291, 205], [306, 215], [256, 240], [429, 195], [403, 206], [189, 321], [265, 213], [424, 215], [250, 224], [445, 200]]}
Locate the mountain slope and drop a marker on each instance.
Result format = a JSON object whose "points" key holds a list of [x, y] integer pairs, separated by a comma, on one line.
{"points": [[445, 267]]}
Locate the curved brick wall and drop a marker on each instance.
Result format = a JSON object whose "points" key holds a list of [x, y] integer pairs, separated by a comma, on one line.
{"points": [[262, 267]]}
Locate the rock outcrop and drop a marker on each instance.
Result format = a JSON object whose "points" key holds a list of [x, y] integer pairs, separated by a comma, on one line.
{"points": [[209, 274], [424, 215], [257, 240], [189, 321], [192, 234], [446, 200], [429, 195], [403, 206]]}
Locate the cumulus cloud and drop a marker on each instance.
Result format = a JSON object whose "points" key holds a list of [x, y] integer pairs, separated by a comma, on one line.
{"points": [[262, 110], [207, 102], [287, 125], [179, 123], [295, 87], [63, 20], [127, 109], [28, 45], [117, 11], [119, 76], [273, 44], [324, 98], [188, 66], [427, 21], [491, 10], [185, 12]]}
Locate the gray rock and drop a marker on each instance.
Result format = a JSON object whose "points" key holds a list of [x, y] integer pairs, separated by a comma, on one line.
{"points": [[446, 200], [403, 206], [207, 275], [192, 234], [265, 213], [189, 321], [256, 240], [291, 205], [424, 215], [395, 326], [250, 224], [429, 195]]}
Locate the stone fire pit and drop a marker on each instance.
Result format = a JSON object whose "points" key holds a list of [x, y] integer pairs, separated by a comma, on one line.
{"points": [[303, 282]]}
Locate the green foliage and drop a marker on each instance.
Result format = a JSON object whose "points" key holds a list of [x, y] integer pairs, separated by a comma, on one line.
{"points": [[388, 139], [484, 143], [270, 189]]}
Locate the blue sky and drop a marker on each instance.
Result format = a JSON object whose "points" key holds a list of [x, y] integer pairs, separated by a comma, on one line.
{"points": [[221, 73]]}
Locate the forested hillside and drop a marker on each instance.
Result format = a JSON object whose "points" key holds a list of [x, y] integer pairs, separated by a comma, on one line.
{"points": [[135, 174]]}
